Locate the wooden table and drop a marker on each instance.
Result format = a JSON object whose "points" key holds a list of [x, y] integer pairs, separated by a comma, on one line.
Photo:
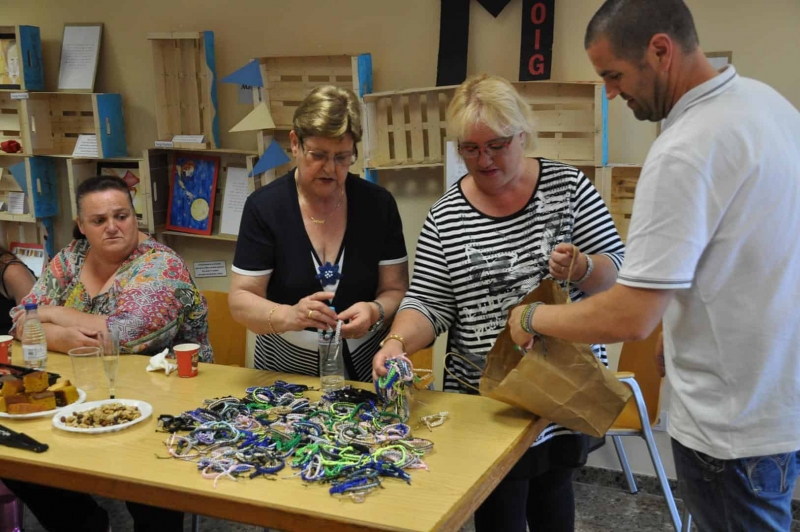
{"points": [[473, 451]]}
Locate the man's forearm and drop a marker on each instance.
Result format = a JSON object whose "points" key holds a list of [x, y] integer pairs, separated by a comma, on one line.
{"points": [[617, 315]]}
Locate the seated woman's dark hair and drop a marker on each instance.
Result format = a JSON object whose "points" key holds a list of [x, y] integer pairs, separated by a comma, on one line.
{"points": [[99, 183]]}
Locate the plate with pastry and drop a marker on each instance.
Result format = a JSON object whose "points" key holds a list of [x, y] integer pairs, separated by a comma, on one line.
{"points": [[31, 396], [100, 417]]}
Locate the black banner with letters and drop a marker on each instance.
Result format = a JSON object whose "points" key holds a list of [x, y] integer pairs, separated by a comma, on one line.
{"points": [[536, 48], [453, 42]]}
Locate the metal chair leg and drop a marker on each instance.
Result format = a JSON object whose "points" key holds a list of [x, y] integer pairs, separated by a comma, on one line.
{"points": [[195, 523], [647, 434], [623, 461], [687, 520]]}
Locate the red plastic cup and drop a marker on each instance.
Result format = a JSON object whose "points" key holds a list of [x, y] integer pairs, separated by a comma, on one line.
{"points": [[188, 356], [5, 348]]}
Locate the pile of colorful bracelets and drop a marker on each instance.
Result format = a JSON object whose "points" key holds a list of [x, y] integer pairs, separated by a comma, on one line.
{"points": [[347, 439]]}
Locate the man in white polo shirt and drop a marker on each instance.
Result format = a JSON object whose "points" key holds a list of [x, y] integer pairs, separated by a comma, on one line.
{"points": [[711, 250]]}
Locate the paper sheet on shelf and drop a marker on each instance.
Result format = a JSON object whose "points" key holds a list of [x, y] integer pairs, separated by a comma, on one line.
{"points": [[79, 54], [236, 191]]}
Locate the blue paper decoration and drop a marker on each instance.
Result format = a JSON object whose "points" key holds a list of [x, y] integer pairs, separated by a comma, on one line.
{"points": [[250, 74], [272, 157]]}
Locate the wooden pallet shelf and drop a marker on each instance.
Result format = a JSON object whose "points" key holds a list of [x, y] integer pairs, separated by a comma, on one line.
{"points": [[617, 186], [288, 80], [49, 123], [28, 43], [408, 128], [186, 86]]}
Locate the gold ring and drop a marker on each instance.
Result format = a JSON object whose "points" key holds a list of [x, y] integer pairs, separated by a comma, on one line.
{"points": [[310, 313]]}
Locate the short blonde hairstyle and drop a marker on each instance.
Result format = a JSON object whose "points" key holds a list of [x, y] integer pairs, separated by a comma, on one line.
{"points": [[330, 112], [493, 101]]}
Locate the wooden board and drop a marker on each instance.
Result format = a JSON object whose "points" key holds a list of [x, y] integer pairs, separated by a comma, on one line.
{"points": [[618, 188], [407, 127], [185, 78]]}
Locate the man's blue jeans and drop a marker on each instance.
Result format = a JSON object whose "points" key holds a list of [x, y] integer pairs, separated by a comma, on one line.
{"points": [[749, 494]]}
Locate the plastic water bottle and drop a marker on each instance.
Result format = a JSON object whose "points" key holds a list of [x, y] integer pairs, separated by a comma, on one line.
{"points": [[331, 364], [34, 342]]}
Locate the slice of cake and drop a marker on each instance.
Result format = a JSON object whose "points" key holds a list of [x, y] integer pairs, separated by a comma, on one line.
{"points": [[16, 399], [36, 381], [59, 385], [47, 399], [66, 396], [12, 386], [25, 408]]}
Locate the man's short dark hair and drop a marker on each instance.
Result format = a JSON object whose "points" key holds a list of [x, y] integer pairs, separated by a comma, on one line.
{"points": [[630, 24]]}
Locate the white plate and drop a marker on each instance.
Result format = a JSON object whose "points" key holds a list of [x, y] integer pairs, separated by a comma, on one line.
{"points": [[81, 398], [67, 411]]}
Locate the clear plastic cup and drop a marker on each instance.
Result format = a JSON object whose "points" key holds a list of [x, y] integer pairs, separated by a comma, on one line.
{"points": [[87, 374]]}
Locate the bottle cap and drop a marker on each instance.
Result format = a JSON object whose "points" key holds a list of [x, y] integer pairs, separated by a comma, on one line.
{"points": [[31, 306]]}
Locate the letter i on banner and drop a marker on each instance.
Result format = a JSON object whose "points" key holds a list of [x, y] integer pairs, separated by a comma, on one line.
{"points": [[536, 48]]}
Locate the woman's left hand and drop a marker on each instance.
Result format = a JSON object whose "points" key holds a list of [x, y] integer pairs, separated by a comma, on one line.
{"points": [[361, 315], [561, 258], [520, 337]]}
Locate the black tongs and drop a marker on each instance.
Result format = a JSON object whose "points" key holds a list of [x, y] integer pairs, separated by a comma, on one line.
{"points": [[18, 440]]}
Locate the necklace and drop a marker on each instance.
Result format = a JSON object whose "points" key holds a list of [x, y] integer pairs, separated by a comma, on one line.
{"points": [[323, 220]]}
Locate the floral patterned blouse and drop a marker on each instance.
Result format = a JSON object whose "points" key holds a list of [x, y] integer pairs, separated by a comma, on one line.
{"points": [[153, 302]]}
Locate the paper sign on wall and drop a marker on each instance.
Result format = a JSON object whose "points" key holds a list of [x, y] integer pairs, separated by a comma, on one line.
{"points": [[237, 188], [16, 202], [210, 268], [86, 146]]}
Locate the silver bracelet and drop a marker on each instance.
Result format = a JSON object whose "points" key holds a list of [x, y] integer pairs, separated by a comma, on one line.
{"points": [[589, 268]]}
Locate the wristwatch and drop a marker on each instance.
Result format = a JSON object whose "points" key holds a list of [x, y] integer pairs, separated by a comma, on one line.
{"points": [[378, 324]]}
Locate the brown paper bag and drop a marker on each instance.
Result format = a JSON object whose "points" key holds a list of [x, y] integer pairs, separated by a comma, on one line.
{"points": [[558, 380]]}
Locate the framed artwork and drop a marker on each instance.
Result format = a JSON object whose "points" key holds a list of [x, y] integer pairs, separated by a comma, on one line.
{"points": [[191, 195], [128, 172], [10, 67], [80, 53]]}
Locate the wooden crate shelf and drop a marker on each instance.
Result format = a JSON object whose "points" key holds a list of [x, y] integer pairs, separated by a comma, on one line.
{"points": [[408, 128], [159, 169], [36, 178], [186, 86], [617, 186], [288, 80], [78, 170], [49, 123], [29, 55]]}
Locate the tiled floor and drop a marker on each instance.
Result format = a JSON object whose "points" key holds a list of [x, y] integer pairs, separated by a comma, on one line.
{"points": [[598, 509]]}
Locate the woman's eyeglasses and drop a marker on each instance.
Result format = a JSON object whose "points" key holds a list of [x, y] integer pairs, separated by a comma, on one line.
{"points": [[317, 158], [493, 148]]}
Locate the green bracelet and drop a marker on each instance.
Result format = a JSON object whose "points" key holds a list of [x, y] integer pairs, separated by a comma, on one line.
{"points": [[527, 318]]}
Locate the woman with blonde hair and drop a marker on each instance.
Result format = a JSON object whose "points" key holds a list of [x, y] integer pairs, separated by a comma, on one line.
{"points": [[509, 223], [319, 245]]}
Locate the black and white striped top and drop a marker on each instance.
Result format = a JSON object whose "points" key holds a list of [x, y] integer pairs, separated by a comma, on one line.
{"points": [[470, 268]]}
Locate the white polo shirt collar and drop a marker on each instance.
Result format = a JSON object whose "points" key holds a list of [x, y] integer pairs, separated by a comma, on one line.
{"points": [[713, 87]]}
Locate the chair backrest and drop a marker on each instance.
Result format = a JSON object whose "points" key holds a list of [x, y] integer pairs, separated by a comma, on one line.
{"points": [[638, 358], [228, 338]]}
